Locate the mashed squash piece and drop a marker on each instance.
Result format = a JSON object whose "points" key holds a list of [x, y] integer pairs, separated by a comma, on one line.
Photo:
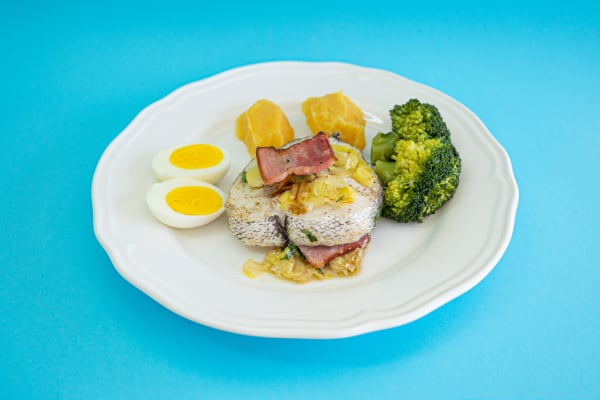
{"points": [[263, 124], [336, 113]]}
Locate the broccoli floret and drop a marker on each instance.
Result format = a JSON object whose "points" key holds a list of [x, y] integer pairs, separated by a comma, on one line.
{"points": [[416, 162], [417, 121], [427, 176]]}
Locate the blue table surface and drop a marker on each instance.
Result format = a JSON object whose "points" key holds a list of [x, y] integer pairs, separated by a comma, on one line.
{"points": [[74, 75]]}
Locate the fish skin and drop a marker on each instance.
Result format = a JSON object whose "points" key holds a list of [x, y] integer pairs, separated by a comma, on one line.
{"points": [[254, 217]]}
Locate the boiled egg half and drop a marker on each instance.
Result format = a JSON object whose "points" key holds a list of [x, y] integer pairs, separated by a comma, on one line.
{"points": [[185, 202], [205, 162]]}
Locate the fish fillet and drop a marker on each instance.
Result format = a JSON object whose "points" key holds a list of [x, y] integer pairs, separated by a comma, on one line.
{"points": [[256, 218]]}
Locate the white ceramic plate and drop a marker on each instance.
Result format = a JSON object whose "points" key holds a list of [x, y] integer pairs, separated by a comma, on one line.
{"points": [[409, 269]]}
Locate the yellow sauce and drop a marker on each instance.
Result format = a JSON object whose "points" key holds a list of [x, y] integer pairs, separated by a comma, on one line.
{"points": [[280, 263]]}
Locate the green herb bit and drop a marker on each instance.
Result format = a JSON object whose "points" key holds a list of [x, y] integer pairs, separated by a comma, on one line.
{"points": [[309, 235], [288, 252]]}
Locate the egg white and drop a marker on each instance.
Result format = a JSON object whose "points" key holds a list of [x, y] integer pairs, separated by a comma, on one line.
{"points": [[157, 203], [164, 169]]}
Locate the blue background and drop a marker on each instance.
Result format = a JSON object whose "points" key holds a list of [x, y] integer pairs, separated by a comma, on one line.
{"points": [[74, 75]]}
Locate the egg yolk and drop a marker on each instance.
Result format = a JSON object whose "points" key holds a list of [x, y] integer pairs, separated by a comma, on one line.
{"points": [[194, 200], [196, 156]]}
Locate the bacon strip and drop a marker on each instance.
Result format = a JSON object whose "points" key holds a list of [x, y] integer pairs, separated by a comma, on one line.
{"points": [[303, 158], [318, 256]]}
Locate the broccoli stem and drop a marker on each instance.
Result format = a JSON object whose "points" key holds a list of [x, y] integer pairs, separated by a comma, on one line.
{"points": [[382, 146], [386, 170]]}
